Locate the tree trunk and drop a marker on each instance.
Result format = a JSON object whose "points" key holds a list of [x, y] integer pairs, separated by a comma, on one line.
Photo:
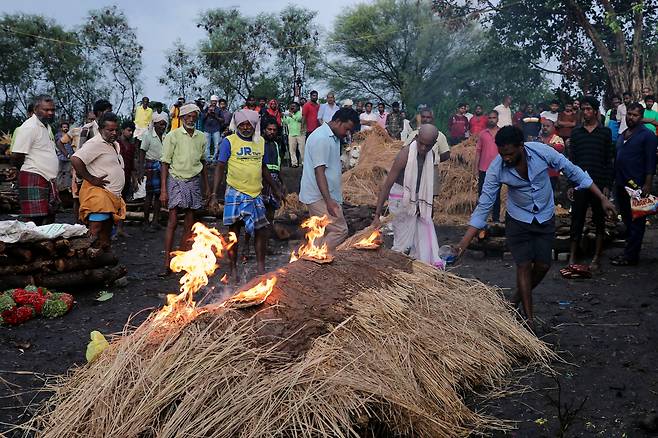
{"points": [[80, 264]]}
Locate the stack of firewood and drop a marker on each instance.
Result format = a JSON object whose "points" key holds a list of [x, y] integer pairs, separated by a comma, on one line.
{"points": [[8, 188], [59, 264]]}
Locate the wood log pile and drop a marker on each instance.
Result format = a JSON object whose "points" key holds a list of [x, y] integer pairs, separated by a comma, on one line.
{"points": [[8, 188], [58, 264]]}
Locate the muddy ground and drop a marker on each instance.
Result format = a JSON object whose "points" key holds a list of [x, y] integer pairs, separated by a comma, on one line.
{"points": [[604, 329]]}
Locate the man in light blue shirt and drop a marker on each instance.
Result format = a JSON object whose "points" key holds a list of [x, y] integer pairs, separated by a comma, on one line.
{"points": [[529, 223], [321, 187]]}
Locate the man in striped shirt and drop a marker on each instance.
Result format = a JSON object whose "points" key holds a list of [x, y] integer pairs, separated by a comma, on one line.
{"points": [[592, 150]]}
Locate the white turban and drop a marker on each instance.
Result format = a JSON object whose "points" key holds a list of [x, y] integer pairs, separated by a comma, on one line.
{"points": [[160, 117], [189, 108], [246, 115]]}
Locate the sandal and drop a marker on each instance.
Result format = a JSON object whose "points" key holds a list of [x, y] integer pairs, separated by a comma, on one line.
{"points": [[573, 272], [622, 261]]}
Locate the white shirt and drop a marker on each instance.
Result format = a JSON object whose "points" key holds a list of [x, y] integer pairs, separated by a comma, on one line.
{"points": [[36, 141], [365, 117], [654, 107], [621, 117], [103, 158], [504, 115], [326, 112], [406, 130]]}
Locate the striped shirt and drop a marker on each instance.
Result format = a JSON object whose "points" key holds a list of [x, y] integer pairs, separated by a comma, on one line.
{"points": [[594, 153]]}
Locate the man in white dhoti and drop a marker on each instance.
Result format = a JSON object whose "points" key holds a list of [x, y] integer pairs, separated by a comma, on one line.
{"points": [[409, 188]]}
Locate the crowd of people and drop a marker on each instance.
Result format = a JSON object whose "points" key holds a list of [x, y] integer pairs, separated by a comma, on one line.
{"points": [[200, 154]]}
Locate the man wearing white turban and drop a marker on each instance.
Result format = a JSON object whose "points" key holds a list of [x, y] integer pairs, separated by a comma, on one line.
{"points": [[150, 154], [243, 153], [183, 169]]}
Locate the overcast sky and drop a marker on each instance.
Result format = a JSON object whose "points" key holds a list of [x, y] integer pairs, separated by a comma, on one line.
{"points": [[160, 23]]}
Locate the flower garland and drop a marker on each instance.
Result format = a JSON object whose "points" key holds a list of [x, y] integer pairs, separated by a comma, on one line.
{"points": [[19, 305]]}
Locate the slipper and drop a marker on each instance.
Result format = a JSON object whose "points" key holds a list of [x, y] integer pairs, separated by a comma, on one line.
{"points": [[622, 261], [573, 272]]}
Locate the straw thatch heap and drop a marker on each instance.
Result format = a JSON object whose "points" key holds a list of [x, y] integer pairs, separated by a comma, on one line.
{"points": [[373, 343]]}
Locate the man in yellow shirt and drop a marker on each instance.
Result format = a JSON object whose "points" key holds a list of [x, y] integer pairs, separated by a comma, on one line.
{"points": [[174, 113], [143, 115], [244, 153], [182, 170]]}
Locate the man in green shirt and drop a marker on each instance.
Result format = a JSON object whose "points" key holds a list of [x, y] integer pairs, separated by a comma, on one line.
{"points": [[650, 119], [296, 138], [183, 168]]}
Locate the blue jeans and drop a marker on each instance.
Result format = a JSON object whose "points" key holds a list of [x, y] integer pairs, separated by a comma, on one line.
{"points": [[212, 138]]}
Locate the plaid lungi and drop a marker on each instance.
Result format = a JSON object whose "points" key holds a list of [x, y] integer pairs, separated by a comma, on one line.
{"points": [[37, 195], [152, 172], [269, 199], [184, 193], [239, 206]]}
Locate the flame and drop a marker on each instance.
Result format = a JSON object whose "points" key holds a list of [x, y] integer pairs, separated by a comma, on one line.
{"points": [[198, 263], [371, 242], [224, 279], [252, 297], [316, 226]]}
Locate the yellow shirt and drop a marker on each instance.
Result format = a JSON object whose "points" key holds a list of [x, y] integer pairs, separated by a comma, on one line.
{"points": [[245, 165], [184, 153], [174, 115], [143, 117]]}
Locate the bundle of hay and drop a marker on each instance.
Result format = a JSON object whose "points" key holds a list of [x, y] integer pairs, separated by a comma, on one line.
{"points": [[377, 150], [373, 343], [459, 185]]}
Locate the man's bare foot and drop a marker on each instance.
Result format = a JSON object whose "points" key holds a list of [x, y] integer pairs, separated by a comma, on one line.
{"points": [[595, 266]]}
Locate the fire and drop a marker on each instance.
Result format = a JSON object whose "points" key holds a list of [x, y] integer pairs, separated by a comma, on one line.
{"points": [[316, 226], [198, 263], [371, 242], [224, 279], [252, 297]]}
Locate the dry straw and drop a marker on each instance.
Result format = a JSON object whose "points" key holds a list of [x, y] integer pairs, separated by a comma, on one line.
{"points": [[410, 344], [458, 176]]}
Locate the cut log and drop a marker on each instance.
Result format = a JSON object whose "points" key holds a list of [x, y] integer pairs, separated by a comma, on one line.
{"points": [[45, 247], [79, 264], [65, 280], [19, 254], [36, 266], [498, 244]]}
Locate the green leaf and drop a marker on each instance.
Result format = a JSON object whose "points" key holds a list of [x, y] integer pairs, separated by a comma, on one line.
{"points": [[104, 296]]}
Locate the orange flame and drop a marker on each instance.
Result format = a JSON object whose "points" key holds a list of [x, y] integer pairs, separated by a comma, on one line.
{"points": [[198, 263], [224, 279], [316, 226], [252, 297], [371, 242]]}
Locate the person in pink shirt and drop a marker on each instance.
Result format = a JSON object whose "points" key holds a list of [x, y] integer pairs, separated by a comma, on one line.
{"points": [[310, 113], [485, 152], [478, 122], [383, 115]]}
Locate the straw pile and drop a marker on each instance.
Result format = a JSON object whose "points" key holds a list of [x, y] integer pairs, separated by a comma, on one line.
{"points": [[377, 150], [376, 345]]}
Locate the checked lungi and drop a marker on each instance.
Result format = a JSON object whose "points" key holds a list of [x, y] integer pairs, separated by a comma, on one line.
{"points": [[239, 206], [152, 173], [38, 196], [269, 199], [184, 193]]}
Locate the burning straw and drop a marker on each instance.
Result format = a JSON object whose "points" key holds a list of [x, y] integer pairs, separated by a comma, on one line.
{"points": [[372, 343]]}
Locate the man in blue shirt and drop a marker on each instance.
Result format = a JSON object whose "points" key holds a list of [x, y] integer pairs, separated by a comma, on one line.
{"points": [[634, 167], [321, 188], [529, 223]]}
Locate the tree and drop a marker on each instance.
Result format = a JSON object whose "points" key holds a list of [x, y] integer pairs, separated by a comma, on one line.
{"points": [[602, 45], [55, 65], [181, 72], [386, 48], [296, 44], [113, 44], [235, 51]]}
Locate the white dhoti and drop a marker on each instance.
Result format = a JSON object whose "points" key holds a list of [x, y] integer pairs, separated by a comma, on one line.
{"points": [[413, 229]]}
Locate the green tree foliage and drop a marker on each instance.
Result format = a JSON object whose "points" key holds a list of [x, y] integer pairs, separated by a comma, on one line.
{"points": [[56, 65], [235, 50], [295, 40], [599, 46], [181, 72], [399, 49], [112, 43]]}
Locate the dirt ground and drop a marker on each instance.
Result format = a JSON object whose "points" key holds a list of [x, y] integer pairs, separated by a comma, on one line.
{"points": [[604, 329]]}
